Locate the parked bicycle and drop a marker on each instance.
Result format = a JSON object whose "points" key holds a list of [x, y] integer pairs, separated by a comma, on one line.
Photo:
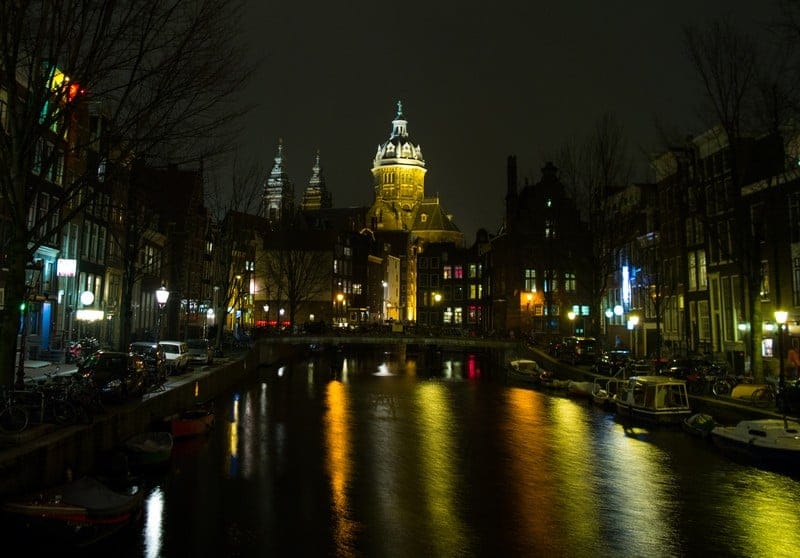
{"points": [[13, 417]]}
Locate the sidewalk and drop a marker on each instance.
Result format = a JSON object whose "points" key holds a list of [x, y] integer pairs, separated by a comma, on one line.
{"points": [[40, 369]]}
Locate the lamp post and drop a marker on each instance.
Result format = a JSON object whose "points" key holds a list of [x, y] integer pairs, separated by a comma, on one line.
{"points": [[384, 284], [437, 298], [633, 321], [266, 315], [280, 313], [339, 299], [780, 319], [571, 316], [529, 298], [162, 296]]}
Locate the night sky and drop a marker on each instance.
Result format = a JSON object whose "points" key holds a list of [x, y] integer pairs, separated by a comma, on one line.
{"points": [[478, 82]]}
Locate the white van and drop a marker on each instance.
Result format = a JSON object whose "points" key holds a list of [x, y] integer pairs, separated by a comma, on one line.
{"points": [[177, 353]]}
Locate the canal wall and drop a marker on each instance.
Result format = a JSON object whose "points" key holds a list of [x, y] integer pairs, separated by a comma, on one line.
{"points": [[43, 454]]}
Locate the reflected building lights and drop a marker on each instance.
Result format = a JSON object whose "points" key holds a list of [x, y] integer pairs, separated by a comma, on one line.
{"points": [[233, 438], [338, 462], [154, 523], [437, 455]]}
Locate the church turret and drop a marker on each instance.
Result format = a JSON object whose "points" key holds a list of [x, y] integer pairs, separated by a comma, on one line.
{"points": [[278, 197], [316, 195]]}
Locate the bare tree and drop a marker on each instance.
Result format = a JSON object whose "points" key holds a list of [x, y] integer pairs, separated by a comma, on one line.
{"points": [[234, 202], [296, 270], [163, 73], [593, 169], [726, 63]]}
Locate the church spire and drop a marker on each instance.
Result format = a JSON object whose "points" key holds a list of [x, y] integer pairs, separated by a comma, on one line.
{"points": [[278, 196], [316, 195]]}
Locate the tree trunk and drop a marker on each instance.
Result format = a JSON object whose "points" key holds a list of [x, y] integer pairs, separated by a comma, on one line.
{"points": [[15, 294]]}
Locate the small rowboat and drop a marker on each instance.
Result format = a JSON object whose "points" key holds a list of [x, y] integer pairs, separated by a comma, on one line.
{"points": [[149, 449], [192, 422], [76, 514]]}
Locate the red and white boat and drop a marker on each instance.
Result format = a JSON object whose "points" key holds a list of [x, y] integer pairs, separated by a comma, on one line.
{"points": [[192, 422], [77, 513]]}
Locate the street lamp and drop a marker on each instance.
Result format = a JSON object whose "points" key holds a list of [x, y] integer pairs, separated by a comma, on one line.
{"points": [[162, 296], [384, 284], [266, 314], [571, 316], [780, 319], [529, 297], [633, 321], [339, 299]]}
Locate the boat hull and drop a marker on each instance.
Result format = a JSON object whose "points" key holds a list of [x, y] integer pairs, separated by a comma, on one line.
{"points": [[149, 449], [768, 441], [652, 415], [76, 514], [196, 422]]}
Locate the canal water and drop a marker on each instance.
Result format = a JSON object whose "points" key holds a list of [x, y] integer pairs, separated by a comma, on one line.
{"points": [[389, 460]]}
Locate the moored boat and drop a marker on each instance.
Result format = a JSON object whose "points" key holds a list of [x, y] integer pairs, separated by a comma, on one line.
{"points": [[192, 422], [580, 388], [149, 449], [772, 441], [524, 369], [77, 513], [605, 390], [654, 399], [699, 424]]}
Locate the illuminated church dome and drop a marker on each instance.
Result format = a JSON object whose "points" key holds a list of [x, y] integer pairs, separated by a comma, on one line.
{"points": [[400, 203]]}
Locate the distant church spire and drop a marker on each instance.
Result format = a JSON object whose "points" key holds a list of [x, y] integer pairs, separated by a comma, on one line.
{"points": [[316, 195], [278, 196]]}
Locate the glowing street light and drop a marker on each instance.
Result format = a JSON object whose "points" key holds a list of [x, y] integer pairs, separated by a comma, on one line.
{"points": [[571, 316], [162, 296], [780, 319], [633, 321]]}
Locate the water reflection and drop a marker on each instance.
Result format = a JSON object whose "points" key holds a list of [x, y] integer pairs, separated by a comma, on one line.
{"points": [[153, 524], [386, 461], [338, 464]]}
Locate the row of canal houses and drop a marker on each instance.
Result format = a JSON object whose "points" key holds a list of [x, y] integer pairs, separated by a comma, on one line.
{"points": [[696, 261]]}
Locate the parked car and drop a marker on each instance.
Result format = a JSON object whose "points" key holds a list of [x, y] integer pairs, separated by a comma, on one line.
{"points": [[155, 360], [200, 351], [611, 361], [177, 353], [579, 350], [118, 375]]}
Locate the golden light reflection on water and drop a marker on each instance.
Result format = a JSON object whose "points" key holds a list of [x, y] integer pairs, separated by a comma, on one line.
{"points": [[438, 459], [338, 463], [768, 525], [639, 490], [535, 486], [568, 455]]}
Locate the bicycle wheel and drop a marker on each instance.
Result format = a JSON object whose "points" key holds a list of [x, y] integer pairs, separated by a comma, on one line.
{"points": [[762, 397], [721, 388], [64, 412], [13, 419]]}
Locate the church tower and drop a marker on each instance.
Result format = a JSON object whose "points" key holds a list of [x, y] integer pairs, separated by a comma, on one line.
{"points": [[278, 196], [316, 195], [398, 172]]}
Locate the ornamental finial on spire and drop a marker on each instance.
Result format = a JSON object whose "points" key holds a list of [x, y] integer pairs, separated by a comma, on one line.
{"points": [[399, 109]]}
